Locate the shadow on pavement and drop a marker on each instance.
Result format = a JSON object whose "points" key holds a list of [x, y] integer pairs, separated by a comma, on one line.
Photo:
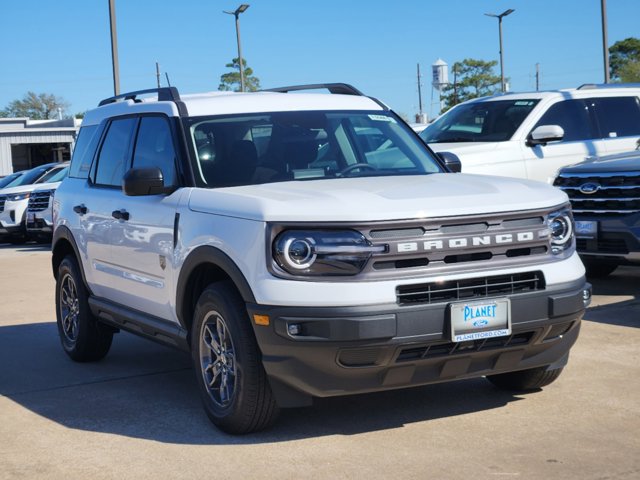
{"points": [[27, 247], [624, 282], [144, 390]]}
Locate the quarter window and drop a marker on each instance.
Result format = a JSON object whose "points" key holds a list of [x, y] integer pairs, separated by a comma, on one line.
{"points": [[84, 151], [617, 116], [154, 148], [114, 154]]}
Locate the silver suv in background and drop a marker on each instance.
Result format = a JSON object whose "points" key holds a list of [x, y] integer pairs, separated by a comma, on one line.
{"points": [[532, 135], [39, 217], [15, 197]]}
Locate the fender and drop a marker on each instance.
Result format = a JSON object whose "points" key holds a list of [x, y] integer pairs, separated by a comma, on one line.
{"points": [[63, 232], [207, 254]]}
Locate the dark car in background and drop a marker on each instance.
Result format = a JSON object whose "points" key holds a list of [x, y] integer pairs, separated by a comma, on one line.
{"points": [[605, 198]]}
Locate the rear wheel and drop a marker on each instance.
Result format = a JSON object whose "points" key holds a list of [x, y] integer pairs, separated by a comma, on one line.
{"points": [[525, 380], [598, 268], [83, 338], [231, 379]]}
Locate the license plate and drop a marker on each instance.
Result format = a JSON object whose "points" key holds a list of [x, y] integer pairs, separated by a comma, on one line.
{"points": [[586, 229], [31, 217], [480, 320]]}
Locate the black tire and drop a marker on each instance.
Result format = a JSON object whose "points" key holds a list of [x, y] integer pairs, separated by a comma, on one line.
{"points": [[598, 268], [232, 382], [83, 338], [525, 380]]}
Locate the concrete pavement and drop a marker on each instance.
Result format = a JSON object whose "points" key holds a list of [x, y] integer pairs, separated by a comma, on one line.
{"points": [[137, 415]]}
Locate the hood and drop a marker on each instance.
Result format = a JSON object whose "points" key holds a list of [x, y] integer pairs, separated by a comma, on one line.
{"points": [[372, 199], [29, 188], [465, 147], [625, 162]]}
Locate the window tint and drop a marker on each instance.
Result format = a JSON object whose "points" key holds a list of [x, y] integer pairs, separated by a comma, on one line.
{"points": [[282, 146], [113, 157], [154, 148], [83, 152], [572, 116], [618, 116], [485, 121]]}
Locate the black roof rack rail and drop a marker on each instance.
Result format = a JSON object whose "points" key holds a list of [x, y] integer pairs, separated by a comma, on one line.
{"points": [[164, 94], [335, 88], [588, 86]]}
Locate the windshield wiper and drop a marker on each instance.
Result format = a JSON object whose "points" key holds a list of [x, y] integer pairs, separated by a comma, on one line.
{"points": [[452, 140]]}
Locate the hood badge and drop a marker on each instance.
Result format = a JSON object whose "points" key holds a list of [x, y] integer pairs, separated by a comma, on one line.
{"points": [[589, 188]]}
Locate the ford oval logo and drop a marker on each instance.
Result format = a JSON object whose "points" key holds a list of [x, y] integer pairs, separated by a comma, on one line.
{"points": [[589, 188]]}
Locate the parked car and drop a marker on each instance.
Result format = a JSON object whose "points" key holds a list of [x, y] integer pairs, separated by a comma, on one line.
{"points": [[605, 196], [14, 200], [532, 135], [306, 245], [39, 221], [9, 179]]}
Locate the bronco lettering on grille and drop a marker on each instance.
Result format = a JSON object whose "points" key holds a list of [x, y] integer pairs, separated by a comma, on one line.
{"points": [[464, 242]]}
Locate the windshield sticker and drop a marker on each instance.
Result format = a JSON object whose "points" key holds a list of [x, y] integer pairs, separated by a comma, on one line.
{"points": [[524, 103], [382, 118]]}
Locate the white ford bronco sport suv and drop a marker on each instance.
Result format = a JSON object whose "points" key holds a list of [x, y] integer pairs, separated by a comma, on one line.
{"points": [[306, 245]]}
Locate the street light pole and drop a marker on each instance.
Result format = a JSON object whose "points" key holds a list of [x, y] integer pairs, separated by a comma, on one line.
{"points": [[500, 17], [605, 47], [236, 13], [114, 48]]}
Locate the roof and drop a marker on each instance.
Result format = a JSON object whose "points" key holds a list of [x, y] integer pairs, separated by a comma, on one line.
{"points": [[227, 103], [586, 91]]}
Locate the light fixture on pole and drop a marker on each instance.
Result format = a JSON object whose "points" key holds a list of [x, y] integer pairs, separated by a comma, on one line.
{"points": [[500, 17], [236, 13]]}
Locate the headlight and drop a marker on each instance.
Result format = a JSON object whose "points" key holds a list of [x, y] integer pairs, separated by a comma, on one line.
{"points": [[560, 225], [18, 196], [323, 252]]}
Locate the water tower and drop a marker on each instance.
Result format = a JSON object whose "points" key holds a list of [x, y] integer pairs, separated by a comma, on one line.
{"points": [[440, 79]]}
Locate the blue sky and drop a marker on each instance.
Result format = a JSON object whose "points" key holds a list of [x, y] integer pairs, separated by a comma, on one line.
{"points": [[63, 46]]}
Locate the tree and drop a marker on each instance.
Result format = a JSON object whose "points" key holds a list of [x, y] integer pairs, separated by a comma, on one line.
{"points": [[624, 60], [231, 81], [471, 79], [37, 106]]}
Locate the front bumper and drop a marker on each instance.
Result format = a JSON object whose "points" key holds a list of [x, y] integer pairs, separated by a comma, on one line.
{"points": [[617, 238], [348, 350]]}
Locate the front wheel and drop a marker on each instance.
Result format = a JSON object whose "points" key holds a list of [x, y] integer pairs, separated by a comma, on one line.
{"points": [[525, 380], [231, 379], [83, 338]]}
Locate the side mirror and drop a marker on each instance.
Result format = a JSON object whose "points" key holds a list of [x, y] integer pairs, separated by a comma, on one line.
{"points": [[144, 181], [544, 134], [451, 161]]}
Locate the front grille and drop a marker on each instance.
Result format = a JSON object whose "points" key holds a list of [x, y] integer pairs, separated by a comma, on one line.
{"points": [[39, 201], [3, 198], [603, 245], [452, 348], [602, 193], [438, 292]]}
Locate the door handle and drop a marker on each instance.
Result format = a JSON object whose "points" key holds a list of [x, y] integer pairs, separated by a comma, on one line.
{"points": [[120, 214], [80, 209]]}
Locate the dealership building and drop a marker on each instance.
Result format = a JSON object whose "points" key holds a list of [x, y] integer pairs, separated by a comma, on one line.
{"points": [[28, 143]]}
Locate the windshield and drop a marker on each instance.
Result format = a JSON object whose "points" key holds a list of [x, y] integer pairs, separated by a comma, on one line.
{"points": [[489, 121], [31, 176], [54, 175], [272, 147], [9, 179]]}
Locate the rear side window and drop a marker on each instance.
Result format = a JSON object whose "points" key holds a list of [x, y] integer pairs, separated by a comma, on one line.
{"points": [[84, 151], [617, 116], [573, 117], [114, 154], [154, 148]]}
